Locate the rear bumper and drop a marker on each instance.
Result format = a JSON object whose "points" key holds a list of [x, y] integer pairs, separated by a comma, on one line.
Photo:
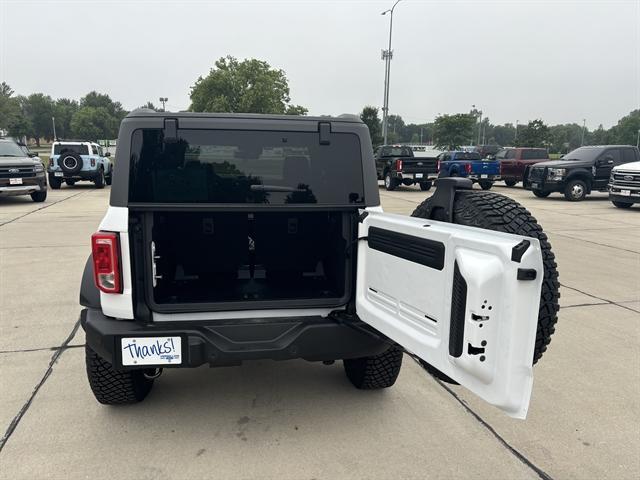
{"points": [[219, 343], [29, 185], [81, 175], [483, 177], [416, 176]]}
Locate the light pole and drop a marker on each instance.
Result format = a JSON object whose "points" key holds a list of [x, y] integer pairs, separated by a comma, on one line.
{"points": [[53, 120], [387, 55], [163, 100], [638, 139], [478, 114], [584, 126], [516, 136]]}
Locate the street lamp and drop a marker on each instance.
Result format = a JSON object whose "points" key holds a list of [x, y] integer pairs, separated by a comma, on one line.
{"points": [[163, 100], [584, 126], [478, 114], [387, 55]]}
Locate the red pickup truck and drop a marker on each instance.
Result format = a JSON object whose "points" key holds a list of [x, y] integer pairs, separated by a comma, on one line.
{"points": [[514, 161]]}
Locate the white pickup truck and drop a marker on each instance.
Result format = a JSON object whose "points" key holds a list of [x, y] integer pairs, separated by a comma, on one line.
{"points": [[624, 185]]}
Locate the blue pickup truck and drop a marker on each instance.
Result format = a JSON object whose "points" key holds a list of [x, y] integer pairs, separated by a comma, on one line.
{"points": [[469, 165]]}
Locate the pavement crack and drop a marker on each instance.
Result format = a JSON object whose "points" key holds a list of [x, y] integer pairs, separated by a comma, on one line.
{"points": [[594, 243], [604, 301], [44, 349], [43, 207], [541, 473], [54, 358]]}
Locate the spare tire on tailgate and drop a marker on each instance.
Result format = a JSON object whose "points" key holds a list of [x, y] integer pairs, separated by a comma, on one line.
{"points": [[70, 162]]}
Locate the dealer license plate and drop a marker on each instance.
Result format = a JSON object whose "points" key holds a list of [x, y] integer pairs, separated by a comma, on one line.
{"points": [[15, 181], [626, 193], [151, 351], [534, 185], [484, 176], [58, 174], [418, 175]]}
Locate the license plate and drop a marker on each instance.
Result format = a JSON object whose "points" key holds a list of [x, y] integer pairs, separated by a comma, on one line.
{"points": [[15, 181], [418, 175], [534, 185], [484, 176], [58, 174], [626, 193], [151, 351]]}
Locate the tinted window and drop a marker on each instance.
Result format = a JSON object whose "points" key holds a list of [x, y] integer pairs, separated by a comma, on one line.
{"points": [[511, 154], [501, 154], [534, 153], [613, 153], [236, 166], [468, 156], [628, 155], [396, 152], [79, 149]]}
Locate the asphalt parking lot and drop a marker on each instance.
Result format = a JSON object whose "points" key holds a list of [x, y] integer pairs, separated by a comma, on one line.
{"points": [[304, 421]]}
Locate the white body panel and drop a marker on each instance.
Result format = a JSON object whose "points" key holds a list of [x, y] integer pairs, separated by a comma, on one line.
{"points": [[411, 304], [119, 305]]}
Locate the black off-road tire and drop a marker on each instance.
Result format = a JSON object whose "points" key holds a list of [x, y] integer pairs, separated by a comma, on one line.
{"points": [[113, 387], [575, 190], [492, 211], [425, 186], [108, 179], [99, 180], [510, 183], [39, 197], [54, 182], [390, 183], [372, 373], [622, 204], [486, 185], [541, 194]]}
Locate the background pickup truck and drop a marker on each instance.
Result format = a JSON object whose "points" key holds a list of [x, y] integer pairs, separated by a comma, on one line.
{"points": [[470, 165], [514, 161], [396, 164]]}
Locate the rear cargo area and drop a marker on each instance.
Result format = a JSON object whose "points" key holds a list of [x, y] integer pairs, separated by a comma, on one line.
{"points": [[217, 260]]}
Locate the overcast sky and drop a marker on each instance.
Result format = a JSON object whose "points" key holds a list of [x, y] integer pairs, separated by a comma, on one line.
{"points": [[561, 61]]}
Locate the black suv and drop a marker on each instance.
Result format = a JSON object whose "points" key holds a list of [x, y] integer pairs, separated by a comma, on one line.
{"points": [[232, 237], [578, 172]]}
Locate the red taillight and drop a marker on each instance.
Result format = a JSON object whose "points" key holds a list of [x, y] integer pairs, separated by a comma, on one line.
{"points": [[467, 167], [93, 162], [398, 165], [106, 261]]}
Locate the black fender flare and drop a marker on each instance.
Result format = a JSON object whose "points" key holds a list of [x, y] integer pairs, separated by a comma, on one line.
{"points": [[583, 175], [89, 293]]}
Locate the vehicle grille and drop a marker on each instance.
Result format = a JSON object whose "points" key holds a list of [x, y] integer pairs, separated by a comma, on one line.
{"points": [[625, 179], [536, 174], [17, 171]]}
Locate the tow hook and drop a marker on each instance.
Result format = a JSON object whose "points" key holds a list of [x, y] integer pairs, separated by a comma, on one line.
{"points": [[152, 373]]}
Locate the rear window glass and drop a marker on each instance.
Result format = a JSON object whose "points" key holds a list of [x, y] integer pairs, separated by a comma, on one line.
{"points": [[397, 152], [468, 156], [242, 166], [79, 149], [534, 154]]}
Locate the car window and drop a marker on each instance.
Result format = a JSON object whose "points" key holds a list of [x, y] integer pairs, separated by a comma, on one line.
{"points": [[59, 149], [534, 153], [245, 166], [468, 156], [501, 154], [613, 153], [397, 152], [511, 154], [100, 152], [628, 155]]}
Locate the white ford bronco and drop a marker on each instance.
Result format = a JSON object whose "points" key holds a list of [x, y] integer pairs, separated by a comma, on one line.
{"points": [[233, 237]]}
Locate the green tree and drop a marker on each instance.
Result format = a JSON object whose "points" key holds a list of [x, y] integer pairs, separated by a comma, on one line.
{"points": [[295, 110], [93, 123], [10, 108], [452, 131], [369, 116], [150, 106], [63, 111], [100, 100], [396, 127], [626, 130], [5, 90], [534, 134], [248, 86], [504, 134], [39, 109]]}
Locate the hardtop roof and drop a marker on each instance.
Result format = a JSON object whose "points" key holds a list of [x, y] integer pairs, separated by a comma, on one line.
{"points": [[146, 113]]}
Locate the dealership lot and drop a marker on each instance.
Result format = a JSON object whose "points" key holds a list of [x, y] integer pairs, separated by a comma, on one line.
{"points": [[301, 420]]}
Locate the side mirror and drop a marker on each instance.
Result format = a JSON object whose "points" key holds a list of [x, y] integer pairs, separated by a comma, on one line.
{"points": [[32, 155], [107, 154]]}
